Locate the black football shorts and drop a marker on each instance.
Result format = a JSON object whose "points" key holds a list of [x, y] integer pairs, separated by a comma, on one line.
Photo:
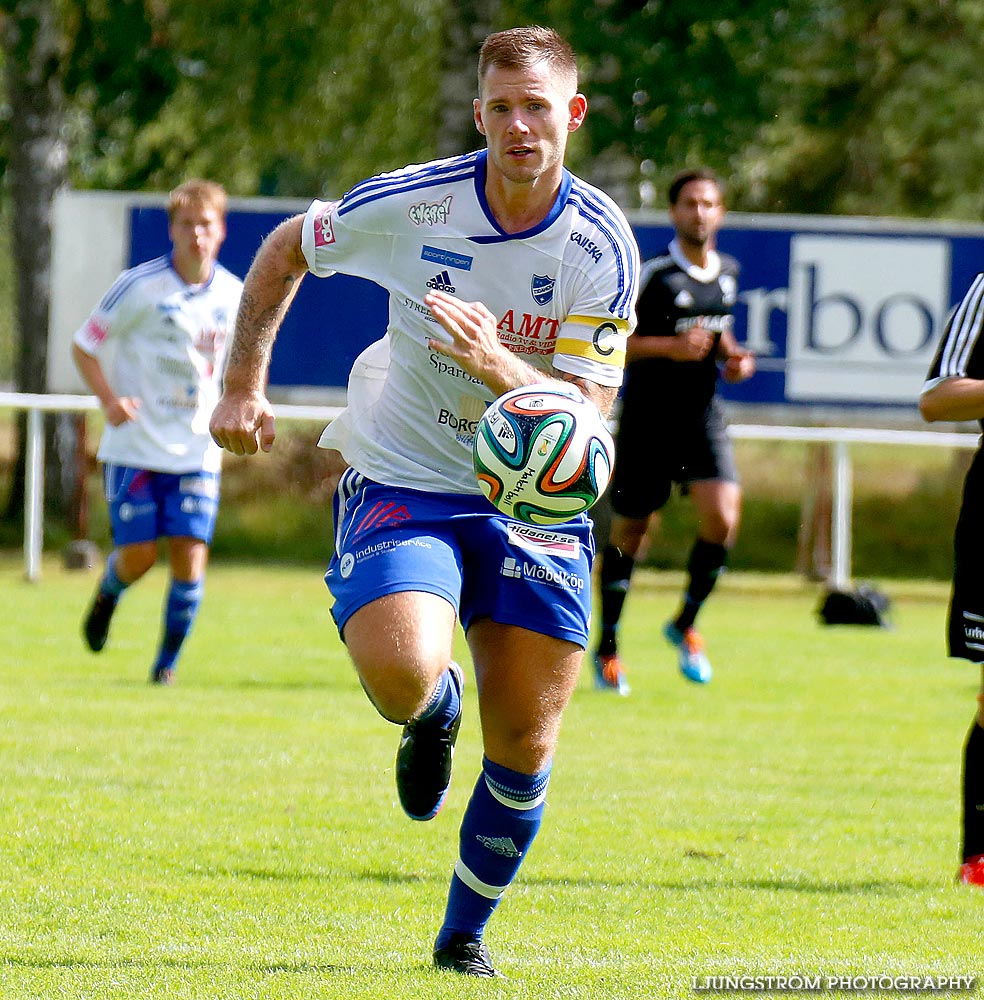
{"points": [[650, 457], [966, 619]]}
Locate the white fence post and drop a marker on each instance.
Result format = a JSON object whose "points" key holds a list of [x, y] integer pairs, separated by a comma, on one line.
{"points": [[840, 524], [37, 404], [34, 496]]}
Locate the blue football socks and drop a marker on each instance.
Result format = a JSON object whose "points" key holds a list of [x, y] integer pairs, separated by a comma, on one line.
{"points": [[499, 825], [111, 585], [445, 702], [183, 600]]}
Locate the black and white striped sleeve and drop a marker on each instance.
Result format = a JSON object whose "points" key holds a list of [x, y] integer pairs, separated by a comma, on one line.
{"points": [[961, 351]]}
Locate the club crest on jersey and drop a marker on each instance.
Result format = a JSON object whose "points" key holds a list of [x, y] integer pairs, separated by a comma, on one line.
{"points": [[683, 300], [542, 288], [729, 289]]}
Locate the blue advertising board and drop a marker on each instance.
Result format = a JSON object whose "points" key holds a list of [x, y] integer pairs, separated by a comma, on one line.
{"points": [[841, 312]]}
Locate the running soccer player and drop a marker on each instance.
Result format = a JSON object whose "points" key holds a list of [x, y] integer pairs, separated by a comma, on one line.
{"points": [[954, 390], [166, 321], [671, 428], [503, 269]]}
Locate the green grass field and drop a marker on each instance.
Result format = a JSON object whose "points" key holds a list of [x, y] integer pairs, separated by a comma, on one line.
{"points": [[238, 836]]}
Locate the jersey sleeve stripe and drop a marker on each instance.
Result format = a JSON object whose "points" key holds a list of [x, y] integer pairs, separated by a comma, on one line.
{"points": [[385, 185], [621, 241], [128, 278], [964, 330]]}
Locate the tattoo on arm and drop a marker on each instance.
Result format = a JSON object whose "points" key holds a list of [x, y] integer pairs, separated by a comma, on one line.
{"points": [[269, 289]]}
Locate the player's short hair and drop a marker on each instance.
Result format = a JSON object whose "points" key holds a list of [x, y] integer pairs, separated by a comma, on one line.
{"points": [[197, 193], [523, 48], [696, 174]]}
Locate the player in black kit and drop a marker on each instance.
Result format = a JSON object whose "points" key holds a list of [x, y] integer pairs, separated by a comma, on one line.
{"points": [[672, 429], [954, 390]]}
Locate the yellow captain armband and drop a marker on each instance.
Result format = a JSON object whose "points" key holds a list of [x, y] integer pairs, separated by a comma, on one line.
{"points": [[595, 338]]}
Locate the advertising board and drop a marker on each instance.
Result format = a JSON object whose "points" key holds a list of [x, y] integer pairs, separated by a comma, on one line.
{"points": [[843, 313]]}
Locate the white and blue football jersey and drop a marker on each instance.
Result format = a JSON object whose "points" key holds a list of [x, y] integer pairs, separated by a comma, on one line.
{"points": [[563, 293], [168, 344]]}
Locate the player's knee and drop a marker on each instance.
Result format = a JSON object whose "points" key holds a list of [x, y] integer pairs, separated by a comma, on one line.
{"points": [[719, 528], [524, 748], [133, 561], [398, 693], [627, 534]]}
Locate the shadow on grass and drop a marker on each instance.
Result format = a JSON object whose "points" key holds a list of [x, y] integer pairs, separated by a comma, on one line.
{"points": [[162, 962], [791, 884], [797, 883]]}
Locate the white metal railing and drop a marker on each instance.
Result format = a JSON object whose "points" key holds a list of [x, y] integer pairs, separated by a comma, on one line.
{"points": [[36, 404], [841, 438]]}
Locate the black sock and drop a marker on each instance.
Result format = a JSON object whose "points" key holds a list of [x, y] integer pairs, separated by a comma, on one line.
{"points": [[614, 579], [973, 793], [707, 560]]}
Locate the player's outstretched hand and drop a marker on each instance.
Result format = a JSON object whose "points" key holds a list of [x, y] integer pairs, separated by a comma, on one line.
{"points": [[243, 423], [474, 338]]}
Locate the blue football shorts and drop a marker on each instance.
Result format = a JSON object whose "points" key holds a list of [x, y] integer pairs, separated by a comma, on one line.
{"points": [[145, 505], [390, 540]]}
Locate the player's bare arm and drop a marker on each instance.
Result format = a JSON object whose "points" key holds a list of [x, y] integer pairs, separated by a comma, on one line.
{"points": [[953, 399], [603, 396], [475, 344], [243, 420], [476, 347], [117, 409], [691, 345]]}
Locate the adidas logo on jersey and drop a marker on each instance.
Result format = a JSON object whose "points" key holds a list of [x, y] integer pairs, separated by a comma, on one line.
{"points": [[442, 283]]}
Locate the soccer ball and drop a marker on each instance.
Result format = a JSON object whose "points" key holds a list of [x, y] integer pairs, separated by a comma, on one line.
{"points": [[543, 454]]}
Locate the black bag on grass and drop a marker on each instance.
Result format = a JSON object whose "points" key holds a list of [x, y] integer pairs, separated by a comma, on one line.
{"points": [[863, 605]]}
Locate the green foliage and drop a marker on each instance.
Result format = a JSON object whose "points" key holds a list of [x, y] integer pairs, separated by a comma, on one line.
{"points": [[876, 113], [120, 72], [7, 300], [238, 836], [804, 106], [288, 99]]}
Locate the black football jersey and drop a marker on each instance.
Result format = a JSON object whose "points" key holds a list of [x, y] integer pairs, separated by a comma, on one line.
{"points": [[673, 296], [961, 350]]}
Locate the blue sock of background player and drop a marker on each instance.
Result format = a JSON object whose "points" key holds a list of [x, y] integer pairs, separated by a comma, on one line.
{"points": [[111, 586], [180, 610]]}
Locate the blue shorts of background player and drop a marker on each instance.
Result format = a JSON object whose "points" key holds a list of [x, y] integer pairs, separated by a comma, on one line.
{"points": [[145, 506]]}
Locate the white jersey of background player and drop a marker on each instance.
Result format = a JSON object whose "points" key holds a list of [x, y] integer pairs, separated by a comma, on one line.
{"points": [[166, 322], [562, 294], [168, 346]]}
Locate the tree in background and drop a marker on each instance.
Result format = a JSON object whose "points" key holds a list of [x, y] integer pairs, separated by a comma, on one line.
{"points": [[79, 78], [876, 113], [36, 162]]}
